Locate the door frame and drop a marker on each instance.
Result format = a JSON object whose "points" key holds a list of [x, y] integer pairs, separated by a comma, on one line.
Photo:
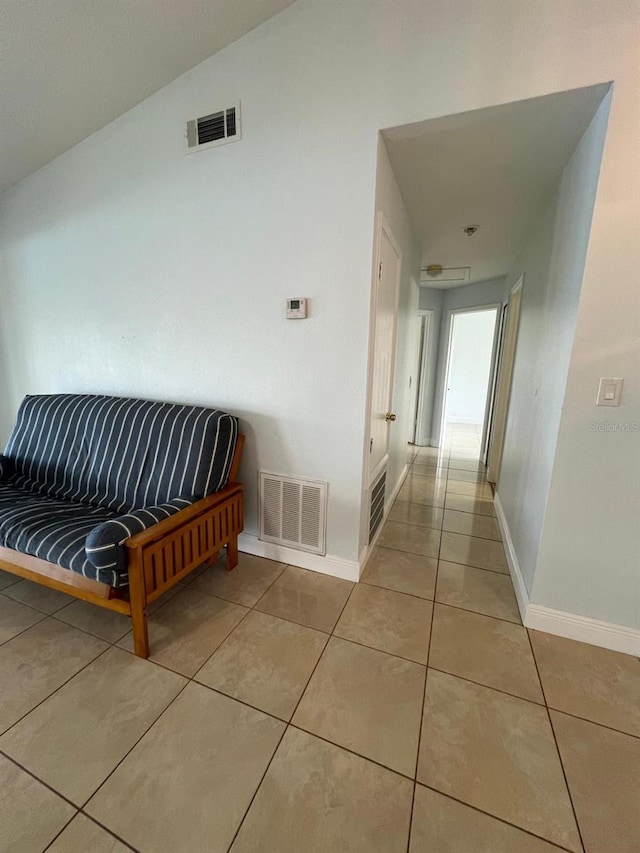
{"points": [[487, 428], [505, 379], [382, 225], [492, 306], [427, 316]]}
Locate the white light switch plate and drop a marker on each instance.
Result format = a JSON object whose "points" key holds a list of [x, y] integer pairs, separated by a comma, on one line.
{"points": [[609, 392]]}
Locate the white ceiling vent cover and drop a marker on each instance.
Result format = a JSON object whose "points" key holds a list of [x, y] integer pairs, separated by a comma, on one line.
{"points": [[436, 274], [293, 512], [214, 129]]}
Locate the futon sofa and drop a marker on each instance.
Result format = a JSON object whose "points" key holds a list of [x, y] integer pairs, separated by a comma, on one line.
{"points": [[116, 500]]}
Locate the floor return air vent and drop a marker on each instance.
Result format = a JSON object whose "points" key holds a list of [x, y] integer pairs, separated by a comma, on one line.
{"points": [[376, 507], [293, 512]]}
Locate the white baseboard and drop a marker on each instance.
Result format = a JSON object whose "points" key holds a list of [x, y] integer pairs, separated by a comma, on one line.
{"points": [[618, 638], [608, 635], [428, 443], [347, 569], [522, 593]]}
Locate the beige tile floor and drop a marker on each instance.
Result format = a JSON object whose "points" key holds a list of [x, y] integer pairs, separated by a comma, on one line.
{"points": [[286, 711]]}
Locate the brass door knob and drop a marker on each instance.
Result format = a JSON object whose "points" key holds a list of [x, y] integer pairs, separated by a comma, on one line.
{"points": [[389, 416]]}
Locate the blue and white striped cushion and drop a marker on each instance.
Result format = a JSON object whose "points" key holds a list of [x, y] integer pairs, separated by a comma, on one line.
{"points": [[119, 453], [85, 539], [52, 530], [104, 545], [6, 468]]}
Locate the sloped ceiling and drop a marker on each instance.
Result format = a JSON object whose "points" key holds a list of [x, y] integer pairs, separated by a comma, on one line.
{"points": [[69, 67]]}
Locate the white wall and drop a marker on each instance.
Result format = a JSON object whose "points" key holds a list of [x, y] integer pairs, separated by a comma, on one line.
{"points": [[458, 298], [469, 366], [128, 267], [599, 532], [132, 268], [431, 298], [552, 262]]}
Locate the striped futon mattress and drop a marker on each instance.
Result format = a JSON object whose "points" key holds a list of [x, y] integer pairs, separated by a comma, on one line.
{"points": [[82, 473]]}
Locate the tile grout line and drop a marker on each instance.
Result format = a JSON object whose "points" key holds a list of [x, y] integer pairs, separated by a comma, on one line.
{"points": [[59, 833], [431, 557], [593, 722], [288, 724], [24, 630], [487, 686], [130, 750], [188, 679], [89, 633], [443, 603], [555, 740], [259, 785], [80, 809], [53, 692], [38, 779], [110, 831], [351, 751], [491, 688], [112, 645], [381, 651], [553, 844], [101, 825], [62, 797], [249, 609], [424, 695], [340, 746]]}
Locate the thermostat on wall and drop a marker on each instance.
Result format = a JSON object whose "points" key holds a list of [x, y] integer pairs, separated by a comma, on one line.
{"points": [[296, 309]]}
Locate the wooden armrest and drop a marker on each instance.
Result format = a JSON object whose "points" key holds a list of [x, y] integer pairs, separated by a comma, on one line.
{"points": [[157, 531]]}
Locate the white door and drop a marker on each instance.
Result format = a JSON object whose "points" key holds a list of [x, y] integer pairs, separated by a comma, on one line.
{"points": [[385, 307]]}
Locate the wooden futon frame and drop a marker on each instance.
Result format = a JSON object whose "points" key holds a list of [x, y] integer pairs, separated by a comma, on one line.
{"points": [[158, 558]]}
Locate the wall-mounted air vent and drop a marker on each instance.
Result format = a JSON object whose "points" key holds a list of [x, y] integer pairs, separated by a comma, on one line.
{"points": [[293, 512], [214, 129], [376, 507], [434, 274]]}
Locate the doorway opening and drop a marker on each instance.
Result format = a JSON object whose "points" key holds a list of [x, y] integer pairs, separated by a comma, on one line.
{"points": [[497, 416], [476, 201], [470, 360], [424, 380]]}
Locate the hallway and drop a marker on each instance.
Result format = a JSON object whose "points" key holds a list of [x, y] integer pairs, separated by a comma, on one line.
{"points": [[285, 710], [539, 731]]}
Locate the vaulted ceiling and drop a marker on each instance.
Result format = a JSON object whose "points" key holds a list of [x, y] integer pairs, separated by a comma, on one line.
{"points": [[69, 67]]}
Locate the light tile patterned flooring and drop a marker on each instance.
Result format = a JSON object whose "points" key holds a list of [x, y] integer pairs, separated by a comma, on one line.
{"points": [[288, 711]]}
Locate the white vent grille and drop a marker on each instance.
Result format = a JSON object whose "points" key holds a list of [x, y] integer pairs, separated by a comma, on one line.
{"points": [[293, 512], [433, 276], [214, 129]]}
